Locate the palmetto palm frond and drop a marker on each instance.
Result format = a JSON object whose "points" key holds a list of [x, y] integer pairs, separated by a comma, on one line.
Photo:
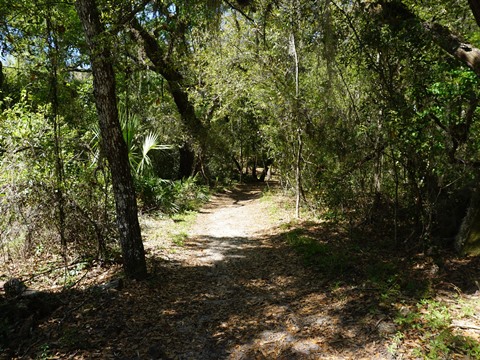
{"points": [[150, 142], [137, 155], [95, 143]]}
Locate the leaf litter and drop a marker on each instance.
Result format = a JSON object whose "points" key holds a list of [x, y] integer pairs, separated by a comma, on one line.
{"points": [[235, 289]]}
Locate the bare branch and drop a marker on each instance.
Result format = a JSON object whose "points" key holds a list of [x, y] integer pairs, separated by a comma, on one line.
{"points": [[125, 19], [240, 11]]}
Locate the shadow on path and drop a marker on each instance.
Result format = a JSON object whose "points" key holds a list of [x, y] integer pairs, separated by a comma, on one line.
{"points": [[238, 298]]}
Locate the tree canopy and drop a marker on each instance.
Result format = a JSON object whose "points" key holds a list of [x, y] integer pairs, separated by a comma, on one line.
{"points": [[366, 110], [119, 114]]}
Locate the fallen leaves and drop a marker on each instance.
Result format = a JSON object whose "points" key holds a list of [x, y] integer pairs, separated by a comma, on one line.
{"points": [[225, 296]]}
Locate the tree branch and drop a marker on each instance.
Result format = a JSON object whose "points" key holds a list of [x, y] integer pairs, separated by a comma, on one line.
{"points": [[397, 15], [369, 157], [475, 7], [474, 101], [437, 122], [125, 19], [240, 11]]}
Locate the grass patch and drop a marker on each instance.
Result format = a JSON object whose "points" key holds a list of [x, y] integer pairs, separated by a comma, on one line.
{"points": [[183, 222], [382, 272], [279, 207], [467, 308], [178, 230], [180, 238], [167, 233], [431, 320], [322, 256]]}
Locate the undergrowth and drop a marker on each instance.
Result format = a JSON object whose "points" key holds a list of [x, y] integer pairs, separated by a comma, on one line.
{"points": [[425, 326], [323, 256], [171, 197], [432, 320]]}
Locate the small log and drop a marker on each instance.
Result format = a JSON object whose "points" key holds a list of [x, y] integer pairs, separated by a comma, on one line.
{"points": [[465, 326], [116, 284]]}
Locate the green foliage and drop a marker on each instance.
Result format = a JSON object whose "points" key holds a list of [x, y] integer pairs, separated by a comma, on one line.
{"points": [[384, 118], [179, 238], [170, 196], [433, 319], [324, 257], [44, 353], [380, 272], [395, 343], [138, 147], [29, 183]]}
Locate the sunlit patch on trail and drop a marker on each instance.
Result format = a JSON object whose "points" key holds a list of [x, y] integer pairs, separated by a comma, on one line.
{"points": [[218, 249]]}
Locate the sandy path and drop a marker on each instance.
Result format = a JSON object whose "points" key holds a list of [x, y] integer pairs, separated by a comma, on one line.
{"points": [[232, 288], [236, 290], [230, 221]]}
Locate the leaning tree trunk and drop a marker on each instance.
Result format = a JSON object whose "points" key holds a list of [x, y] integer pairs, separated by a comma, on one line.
{"points": [[1, 75], [1, 81], [475, 7], [467, 241], [399, 16], [113, 143], [178, 89], [187, 161], [395, 13]]}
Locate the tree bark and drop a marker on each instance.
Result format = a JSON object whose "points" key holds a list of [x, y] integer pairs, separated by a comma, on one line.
{"points": [[187, 161], [298, 162], [53, 51], [1, 81], [175, 81], [113, 143], [475, 7], [1, 75], [467, 240]]}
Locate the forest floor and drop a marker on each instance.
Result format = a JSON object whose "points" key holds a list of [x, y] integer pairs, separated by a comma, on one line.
{"points": [[243, 280]]}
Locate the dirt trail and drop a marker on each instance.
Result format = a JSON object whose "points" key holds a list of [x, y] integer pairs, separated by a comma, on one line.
{"points": [[232, 288], [232, 221], [238, 292]]}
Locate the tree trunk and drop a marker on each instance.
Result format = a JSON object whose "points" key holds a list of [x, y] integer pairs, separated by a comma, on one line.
{"points": [[113, 143], [1, 76], [178, 88], [187, 161], [475, 7], [59, 170], [178, 91], [397, 15], [298, 177], [254, 169], [1, 81], [298, 162], [467, 241], [175, 81]]}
